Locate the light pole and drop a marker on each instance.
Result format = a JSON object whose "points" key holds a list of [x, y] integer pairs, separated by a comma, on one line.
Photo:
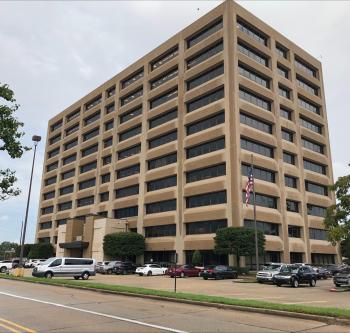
{"points": [[36, 139]]}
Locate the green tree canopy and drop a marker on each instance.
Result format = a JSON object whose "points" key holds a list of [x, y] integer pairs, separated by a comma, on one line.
{"points": [[41, 251], [196, 258], [239, 241], [10, 135], [123, 245], [345, 249], [8, 246]]}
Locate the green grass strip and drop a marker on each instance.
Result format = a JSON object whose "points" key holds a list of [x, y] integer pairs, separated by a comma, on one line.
{"points": [[312, 310]]}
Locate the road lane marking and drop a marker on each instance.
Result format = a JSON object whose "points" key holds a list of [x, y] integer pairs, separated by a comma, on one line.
{"points": [[169, 329], [9, 328], [306, 302], [17, 325]]}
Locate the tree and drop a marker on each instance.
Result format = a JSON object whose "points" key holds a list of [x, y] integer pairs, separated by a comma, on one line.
{"points": [[239, 241], [41, 251], [10, 136], [5, 247], [123, 245], [196, 258], [337, 219]]}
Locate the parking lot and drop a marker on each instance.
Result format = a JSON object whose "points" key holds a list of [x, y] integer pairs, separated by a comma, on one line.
{"points": [[318, 296]]}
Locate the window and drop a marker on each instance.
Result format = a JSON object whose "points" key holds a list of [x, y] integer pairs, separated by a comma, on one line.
{"points": [[309, 87], [294, 231], [290, 181], [97, 100], [72, 129], [206, 199], [125, 212], [310, 125], [163, 139], [51, 180], [105, 178], [287, 135], [206, 123], [127, 191], [255, 123], [67, 174], [206, 173], [205, 148], [252, 54], [285, 113], [253, 76], [110, 92], [158, 184], [129, 152], [53, 152], [164, 78], [91, 134], [70, 144], [315, 167], [106, 159], [66, 190], [284, 92], [161, 230], [162, 161], [256, 147], [88, 167], [56, 125], [296, 257], [129, 133], [205, 77], [288, 158], [89, 150], [87, 183], [267, 228], [205, 100], [159, 100], [316, 147], [319, 234], [47, 210], [49, 195], [284, 72], [254, 99], [161, 206], [316, 210], [103, 214], [204, 55], [69, 159], [204, 33], [281, 51], [89, 120], [292, 206], [316, 188], [73, 115], [308, 105], [61, 222], [308, 69], [126, 172], [109, 125], [46, 225], [259, 173], [164, 58], [52, 166], [163, 118], [205, 227], [262, 200], [85, 201], [130, 114], [104, 196], [252, 32], [64, 206], [108, 142], [322, 258], [55, 139], [133, 78], [110, 108], [71, 261], [130, 97]]}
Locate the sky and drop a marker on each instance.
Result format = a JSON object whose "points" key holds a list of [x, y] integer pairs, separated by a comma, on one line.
{"points": [[53, 53]]}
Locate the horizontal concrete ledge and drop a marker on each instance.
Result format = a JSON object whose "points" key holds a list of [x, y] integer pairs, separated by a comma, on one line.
{"points": [[325, 319]]}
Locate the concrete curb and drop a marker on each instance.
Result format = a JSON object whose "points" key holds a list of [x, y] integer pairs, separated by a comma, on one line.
{"points": [[325, 319]]}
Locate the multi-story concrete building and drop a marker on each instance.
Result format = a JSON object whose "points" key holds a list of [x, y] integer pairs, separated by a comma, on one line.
{"points": [[166, 144]]}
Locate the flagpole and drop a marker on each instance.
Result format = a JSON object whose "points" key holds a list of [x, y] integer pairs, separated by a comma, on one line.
{"points": [[255, 227]]}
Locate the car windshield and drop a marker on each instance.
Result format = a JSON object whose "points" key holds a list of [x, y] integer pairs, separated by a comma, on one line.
{"points": [[289, 269], [345, 270], [271, 267], [47, 262]]}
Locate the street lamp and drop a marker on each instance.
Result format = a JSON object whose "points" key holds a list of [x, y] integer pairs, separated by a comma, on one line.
{"points": [[36, 139]]}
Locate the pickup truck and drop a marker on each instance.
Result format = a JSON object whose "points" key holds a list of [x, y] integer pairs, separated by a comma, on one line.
{"points": [[5, 265], [268, 272]]}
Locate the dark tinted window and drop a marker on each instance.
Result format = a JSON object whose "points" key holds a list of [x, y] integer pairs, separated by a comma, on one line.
{"points": [[281, 51], [204, 33], [163, 98], [68, 174], [204, 77], [52, 166], [206, 173], [107, 142], [287, 135], [73, 115], [161, 161], [69, 159], [93, 102], [314, 146], [282, 71], [205, 148], [255, 55], [70, 144], [303, 65], [161, 183], [129, 152], [164, 58], [104, 196], [266, 227], [255, 123], [133, 78], [253, 76], [55, 139], [316, 167], [47, 210], [56, 125], [106, 159], [130, 133], [205, 227], [160, 230], [163, 118], [131, 170], [164, 78], [310, 125], [308, 105], [105, 178], [72, 129], [290, 181], [109, 125], [254, 99], [53, 152], [316, 188], [130, 114], [285, 113], [64, 206], [110, 108], [262, 200], [292, 206], [163, 139], [45, 225], [316, 210], [66, 189], [92, 118], [206, 199], [252, 32], [309, 87], [49, 195], [130, 97], [206, 123], [85, 201], [51, 180], [288, 158], [87, 183], [161, 206], [284, 92], [125, 212], [127, 191], [319, 234], [294, 231], [88, 167], [205, 100], [259, 173], [256, 147], [204, 55], [89, 150], [91, 134]]}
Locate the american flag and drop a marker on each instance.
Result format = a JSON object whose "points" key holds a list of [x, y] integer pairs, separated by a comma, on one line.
{"points": [[249, 187]]}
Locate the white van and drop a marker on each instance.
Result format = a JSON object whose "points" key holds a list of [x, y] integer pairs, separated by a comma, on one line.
{"points": [[66, 267]]}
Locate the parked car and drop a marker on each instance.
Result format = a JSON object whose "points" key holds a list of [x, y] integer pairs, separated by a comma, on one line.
{"points": [[74, 267], [295, 275], [184, 271], [219, 272], [322, 273], [342, 278], [124, 267], [268, 272], [151, 269], [334, 269], [105, 267], [5, 265]]}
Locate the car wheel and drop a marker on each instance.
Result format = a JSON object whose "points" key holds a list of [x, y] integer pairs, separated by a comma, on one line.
{"points": [[295, 283], [3, 269], [313, 283], [140, 274], [235, 276], [205, 278], [149, 273], [48, 275], [259, 281], [109, 271], [182, 274], [85, 276], [76, 277], [325, 278], [337, 284], [278, 284]]}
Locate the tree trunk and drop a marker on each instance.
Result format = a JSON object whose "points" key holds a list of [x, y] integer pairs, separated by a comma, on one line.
{"points": [[238, 260]]}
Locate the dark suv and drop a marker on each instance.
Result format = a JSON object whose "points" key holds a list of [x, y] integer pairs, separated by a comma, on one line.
{"points": [[124, 267], [218, 272], [342, 278], [294, 275]]}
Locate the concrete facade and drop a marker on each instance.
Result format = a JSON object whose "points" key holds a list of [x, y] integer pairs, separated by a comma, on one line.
{"points": [[262, 72]]}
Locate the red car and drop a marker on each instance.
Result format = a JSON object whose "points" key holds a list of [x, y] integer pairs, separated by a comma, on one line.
{"points": [[184, 271]]}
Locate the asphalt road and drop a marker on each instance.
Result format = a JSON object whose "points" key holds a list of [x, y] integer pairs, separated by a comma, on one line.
{"points": [[26, 307]]}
